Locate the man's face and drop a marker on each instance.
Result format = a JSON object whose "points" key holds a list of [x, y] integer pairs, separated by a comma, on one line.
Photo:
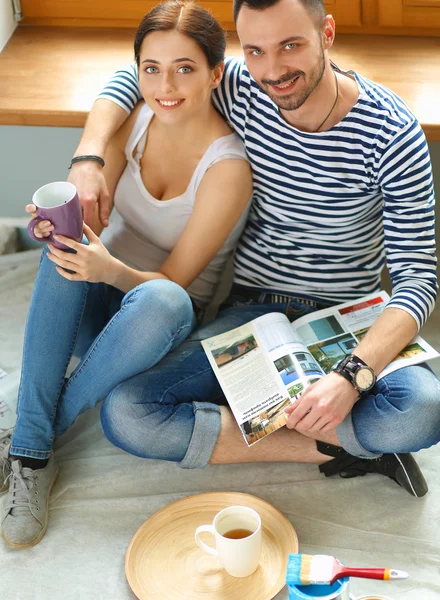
{"points": [[284, 51]]}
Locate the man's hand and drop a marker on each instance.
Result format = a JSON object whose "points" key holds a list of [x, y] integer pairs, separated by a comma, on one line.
{"points": [[323, 406], [88, 178]]}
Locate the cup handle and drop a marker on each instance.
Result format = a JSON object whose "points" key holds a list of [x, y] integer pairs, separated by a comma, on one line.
{"points": [[202, 545], [31, 234]]}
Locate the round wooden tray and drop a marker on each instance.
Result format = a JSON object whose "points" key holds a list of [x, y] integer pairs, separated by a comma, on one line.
{"points": [[163, 562]]}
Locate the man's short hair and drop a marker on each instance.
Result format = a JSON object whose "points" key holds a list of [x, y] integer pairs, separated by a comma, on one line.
{"points": [[315, 7]]}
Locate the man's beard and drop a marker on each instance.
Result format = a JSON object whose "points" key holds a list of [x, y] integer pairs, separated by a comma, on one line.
{"points": [[296, 99]]}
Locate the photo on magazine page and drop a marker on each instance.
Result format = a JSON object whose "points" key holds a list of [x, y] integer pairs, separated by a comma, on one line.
{"points": [[227, 354], [297, 370]]}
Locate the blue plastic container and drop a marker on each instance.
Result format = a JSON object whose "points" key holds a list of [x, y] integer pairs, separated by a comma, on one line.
{"points": [[337, 591]]}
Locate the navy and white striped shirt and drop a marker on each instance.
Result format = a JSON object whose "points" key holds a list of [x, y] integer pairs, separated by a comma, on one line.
{"points": [[329, 207]]}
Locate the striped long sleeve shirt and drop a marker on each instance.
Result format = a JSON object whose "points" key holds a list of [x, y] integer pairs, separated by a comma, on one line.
{"points": [[329, 208]]}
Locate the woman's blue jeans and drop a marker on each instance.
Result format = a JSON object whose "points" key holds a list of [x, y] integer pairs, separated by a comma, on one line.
{"points": [[117, 336], [172, 412]]}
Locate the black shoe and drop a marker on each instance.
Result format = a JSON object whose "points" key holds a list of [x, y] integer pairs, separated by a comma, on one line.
{"points": [[401, 468]]}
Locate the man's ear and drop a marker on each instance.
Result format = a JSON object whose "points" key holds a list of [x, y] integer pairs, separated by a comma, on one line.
{"points": [[328, 32], [217, 74]]}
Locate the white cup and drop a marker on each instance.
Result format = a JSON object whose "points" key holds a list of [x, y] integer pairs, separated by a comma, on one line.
{"points": [[239, 556]]}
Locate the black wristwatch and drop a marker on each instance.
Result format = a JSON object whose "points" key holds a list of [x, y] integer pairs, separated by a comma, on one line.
{"points": [[358, 373]]}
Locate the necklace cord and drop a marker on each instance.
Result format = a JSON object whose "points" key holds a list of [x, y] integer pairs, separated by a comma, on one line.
{"points": [[334, 105]]}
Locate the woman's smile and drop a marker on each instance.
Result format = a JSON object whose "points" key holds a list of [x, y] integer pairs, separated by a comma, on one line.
{"points": [[170, 104]]}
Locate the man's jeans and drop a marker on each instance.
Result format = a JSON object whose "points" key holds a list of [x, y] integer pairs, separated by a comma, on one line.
{"points": [[116, 335], [172, 412]]}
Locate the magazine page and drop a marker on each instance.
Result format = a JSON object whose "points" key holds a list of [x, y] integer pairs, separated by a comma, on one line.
{"points": [[294, 363], [331, 333], [261, 366]]}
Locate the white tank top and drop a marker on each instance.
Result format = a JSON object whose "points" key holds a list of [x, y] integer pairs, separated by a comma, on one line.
{"points": [[143, 230]]}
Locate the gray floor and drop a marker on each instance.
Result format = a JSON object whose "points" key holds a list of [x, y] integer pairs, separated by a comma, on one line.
{"points": [[103, 496]]}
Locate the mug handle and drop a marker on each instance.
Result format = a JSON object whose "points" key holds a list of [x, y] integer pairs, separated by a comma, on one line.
{"points": [[202, 545], [31, 234]]}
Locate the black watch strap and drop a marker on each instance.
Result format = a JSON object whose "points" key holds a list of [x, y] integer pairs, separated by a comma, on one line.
{"points": [[349, 368], [344, 374]]}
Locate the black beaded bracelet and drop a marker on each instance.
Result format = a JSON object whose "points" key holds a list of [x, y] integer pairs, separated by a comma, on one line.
{"points": [[92, 157]]}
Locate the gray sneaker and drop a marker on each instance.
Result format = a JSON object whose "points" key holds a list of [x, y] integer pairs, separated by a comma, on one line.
{"points": [[26, 516], [5, 463]]}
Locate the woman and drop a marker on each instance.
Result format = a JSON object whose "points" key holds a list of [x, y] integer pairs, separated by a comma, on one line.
{"points": [[181, 185]]}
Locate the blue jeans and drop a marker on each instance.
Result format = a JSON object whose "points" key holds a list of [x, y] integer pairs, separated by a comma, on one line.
{"points": [[172, 412], [116, 335]]}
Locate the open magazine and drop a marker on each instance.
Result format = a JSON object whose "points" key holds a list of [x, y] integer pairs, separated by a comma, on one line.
{"points": [[265, 365]]}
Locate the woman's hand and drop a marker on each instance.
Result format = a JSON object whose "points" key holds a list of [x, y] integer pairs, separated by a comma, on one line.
{"points": [[92, 263], [42, 229]]}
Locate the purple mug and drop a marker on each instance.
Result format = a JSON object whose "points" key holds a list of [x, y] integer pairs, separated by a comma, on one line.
{"points": [[58, 203]]}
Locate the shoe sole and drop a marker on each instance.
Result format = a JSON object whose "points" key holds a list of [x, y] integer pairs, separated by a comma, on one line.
{"points": [[408, 479], [35, 541]]}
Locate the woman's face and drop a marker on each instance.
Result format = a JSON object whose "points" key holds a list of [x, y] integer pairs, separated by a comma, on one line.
{"points": [[174, 76]]}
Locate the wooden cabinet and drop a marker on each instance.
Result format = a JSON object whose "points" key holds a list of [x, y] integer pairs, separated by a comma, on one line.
{"points": [[345, 12], [401, 17], [104, 13], [409, 13], [128, 13]]}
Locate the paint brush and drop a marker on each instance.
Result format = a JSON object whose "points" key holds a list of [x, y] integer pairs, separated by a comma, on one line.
{"points": [[305, 569]]}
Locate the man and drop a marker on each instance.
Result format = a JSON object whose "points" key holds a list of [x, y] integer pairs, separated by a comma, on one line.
{"points": [[341, 178]]}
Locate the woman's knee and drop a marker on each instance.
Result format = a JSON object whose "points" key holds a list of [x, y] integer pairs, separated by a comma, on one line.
{"points": [[163, 298], [161, 292]]}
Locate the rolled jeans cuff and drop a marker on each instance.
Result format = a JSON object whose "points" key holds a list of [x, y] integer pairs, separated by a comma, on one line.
{"points": [[25, 453], [349, 441], [207, 423]]}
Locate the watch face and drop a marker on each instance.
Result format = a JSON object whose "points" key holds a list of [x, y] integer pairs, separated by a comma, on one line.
{"points": [[364, 378]]}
